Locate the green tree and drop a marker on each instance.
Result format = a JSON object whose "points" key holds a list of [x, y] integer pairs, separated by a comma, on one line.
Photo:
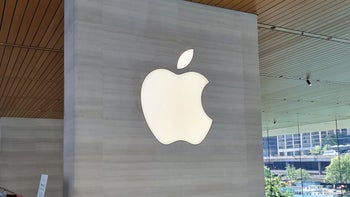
{"points": [[338, 170], [304, 174], [267, 172], [326, 147], [294, 174], [273, 187], [291, 173], [317, 150]]}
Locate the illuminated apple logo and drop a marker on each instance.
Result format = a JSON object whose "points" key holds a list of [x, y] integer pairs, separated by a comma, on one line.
{"points": [[172, 104]]}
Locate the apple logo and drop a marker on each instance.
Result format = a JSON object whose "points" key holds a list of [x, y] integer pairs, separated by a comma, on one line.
{"points": [[172, 104]]}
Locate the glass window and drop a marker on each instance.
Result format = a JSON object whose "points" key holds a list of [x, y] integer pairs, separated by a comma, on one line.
{"points": [[281, 142], [317, 165]]}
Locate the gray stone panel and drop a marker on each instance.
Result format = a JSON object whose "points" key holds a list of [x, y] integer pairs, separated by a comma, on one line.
{"points": [[29, 148], [116, 44]]}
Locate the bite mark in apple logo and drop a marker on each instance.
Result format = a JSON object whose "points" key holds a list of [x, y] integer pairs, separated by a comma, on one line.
{"points": [[172, 104]]}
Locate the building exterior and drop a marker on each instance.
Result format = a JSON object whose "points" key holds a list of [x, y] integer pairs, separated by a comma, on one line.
{"points": [[303, 143]]}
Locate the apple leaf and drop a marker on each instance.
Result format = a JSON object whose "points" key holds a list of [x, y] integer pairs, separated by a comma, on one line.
{"points": [[185, 59]]}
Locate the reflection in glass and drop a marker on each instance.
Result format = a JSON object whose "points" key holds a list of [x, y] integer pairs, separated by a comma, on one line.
{"points": [[308, 163]]}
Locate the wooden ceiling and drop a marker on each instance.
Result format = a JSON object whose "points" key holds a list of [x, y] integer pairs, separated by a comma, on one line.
{"points": [[31, 58], [285, 60]]}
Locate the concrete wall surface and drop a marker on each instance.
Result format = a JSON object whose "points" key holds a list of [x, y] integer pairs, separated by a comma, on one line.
{"points": [[110, 47], [29, 148]]}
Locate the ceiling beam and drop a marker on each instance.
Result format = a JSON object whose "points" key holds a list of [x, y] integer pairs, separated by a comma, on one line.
{"points": [[31, 47], [303, 33]]}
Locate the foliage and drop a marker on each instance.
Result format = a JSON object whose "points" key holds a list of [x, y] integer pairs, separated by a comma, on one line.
{"points": [[304, 174], [294, 174], [338, 170], [326, 147], [267, 172], [317, 150], [291, 173], [273, 187]]}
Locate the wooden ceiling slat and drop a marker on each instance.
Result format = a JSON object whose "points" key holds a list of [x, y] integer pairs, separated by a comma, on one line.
{"points": [[4, 81], [50, 13], [266, 6], [47, 65], [55, 29], [318, 65], [31, 78], [295, 19], [14, 112], [33, 59], [205, 1], [254, 7], [54, 40], [52, 87], [2, 9], [33, 103], [225, 3], [29, 14], [232, 4], [52, 110], [213, 2], [17, 20], [6, 59], [17, 65], [12, 103], [47, 105], [2, 61], [33, 88], [311, 48], [57, 66], [12, 61], [59, 42], [7, 19], [278, 10], [42, 105], [37, 70], [38, 56], [36, 22], [320, 59], [37, 66], [269, 37], [9, 82], [28, 62], [11, 94], [55, 37], [278, 46], [42, 26], [318, 17], [285, 57], [323, 27], [245, 5]]}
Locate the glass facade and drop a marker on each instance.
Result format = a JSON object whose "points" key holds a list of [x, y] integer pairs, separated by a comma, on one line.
{"points": [[309, 163]]}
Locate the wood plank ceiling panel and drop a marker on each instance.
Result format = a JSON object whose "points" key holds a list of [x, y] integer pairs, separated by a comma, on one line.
{"points": [[285, 59], [31, 58]]}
